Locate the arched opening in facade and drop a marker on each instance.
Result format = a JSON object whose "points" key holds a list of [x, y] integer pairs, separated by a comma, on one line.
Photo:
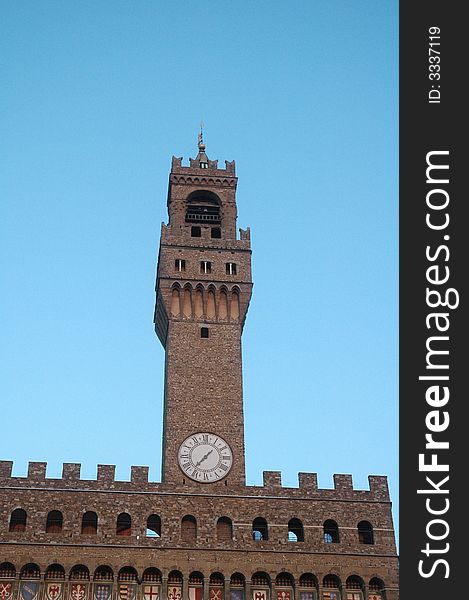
{"points": [[354, 588], [331, 582], [308, 581], [295, 531], [127, 574], [188, 529], [153, 526], [284, 579], [152, 574], [79, 573], [18, 520], [7, 571], [89, 523], [124, 525], [103, 573], [54, 571], [331, 532], [365, 533], [175, 302], [224, 529], [203, 206], [237, 580], [260, 579], [376, 589], [54, 522], [30, 571], [260, 532]]}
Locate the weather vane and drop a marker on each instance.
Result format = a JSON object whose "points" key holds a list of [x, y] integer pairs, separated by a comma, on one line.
{"points": [[201, 134]]}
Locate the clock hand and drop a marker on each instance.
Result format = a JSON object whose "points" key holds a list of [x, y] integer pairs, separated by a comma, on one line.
{"points": [[204, 458]]}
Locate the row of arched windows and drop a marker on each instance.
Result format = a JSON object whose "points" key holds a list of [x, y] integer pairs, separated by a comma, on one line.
{"points": [[259, 579], [224, 527], [200, 303]]}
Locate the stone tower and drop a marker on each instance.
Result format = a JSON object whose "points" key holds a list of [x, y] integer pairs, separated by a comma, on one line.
{"points": [[203, 289]]}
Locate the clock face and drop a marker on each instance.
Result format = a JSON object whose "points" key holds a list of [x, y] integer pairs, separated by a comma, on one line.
{"points": [[205, 457]]}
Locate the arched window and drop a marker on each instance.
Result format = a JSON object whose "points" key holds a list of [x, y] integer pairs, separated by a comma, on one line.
{"points": [[260, 578], [80, 573], [54, 522], [331, 582], [224, 529], [203, 207], [295, 531], [284, 580], [124, 524], [175, 578], [30, 571], [55, 571], [89, 523], [365, 533], [127, 574], [152, 574], [308, 580], [354, 588], [188, 529], [217, 579], [103, 573], [331, 532], [196, 578], [376, 588], [7, 571], [237, 580], [18, 520], [153, 526], [259, 530]]}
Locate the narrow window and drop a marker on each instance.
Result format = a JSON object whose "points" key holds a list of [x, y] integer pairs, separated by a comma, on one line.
{"points": [[196, 232], [203, 165], [124, 525], [205, 266], [89, 523], [18, 520], [224, 529], [259, 530], [331, 532], [153, 526], [204, 332], [54, 522], [180, 264], [295, 531], [188, 529], [365, 533], [231, 268], [216, 233]]}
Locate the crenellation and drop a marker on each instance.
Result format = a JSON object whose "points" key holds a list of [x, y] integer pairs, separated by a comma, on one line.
{"points": [[272, 479], [107, 473], [6, 468], [139, 475], [37, 471], [343, 483], [308, 481], [379, 487], [71, 471]]}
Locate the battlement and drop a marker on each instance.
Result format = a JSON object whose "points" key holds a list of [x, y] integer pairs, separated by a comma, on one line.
{"points": [[194, 164], [139, 476]]}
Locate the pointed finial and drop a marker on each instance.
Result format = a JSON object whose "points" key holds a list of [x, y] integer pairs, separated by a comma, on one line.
{"points": [[201, 137]]}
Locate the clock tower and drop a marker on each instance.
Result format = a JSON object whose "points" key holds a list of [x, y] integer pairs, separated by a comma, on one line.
{"points": [[203, 289]]}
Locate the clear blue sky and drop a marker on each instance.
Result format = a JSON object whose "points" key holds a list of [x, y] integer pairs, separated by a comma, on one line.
{"points": [[96, 97]]}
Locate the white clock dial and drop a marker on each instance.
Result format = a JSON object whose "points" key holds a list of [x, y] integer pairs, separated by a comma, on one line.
{"points": [[205, 457]]}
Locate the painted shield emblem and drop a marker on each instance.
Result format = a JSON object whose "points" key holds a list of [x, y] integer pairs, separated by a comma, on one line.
{"points": [[284, 595], [6, 590], [216, 593], [174, 593], [151, 592], [29, 590], [102, 591], [127, 591], [53, 591], [78, 591], [259, 595]]}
